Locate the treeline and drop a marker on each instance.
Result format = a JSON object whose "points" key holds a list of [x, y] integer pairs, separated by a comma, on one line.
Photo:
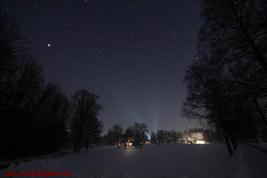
{"points": [[227, 82], [172, 136], [165, 137], [137, 134], [34, 113]]}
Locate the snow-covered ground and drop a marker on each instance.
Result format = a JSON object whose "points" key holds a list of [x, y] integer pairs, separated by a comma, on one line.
{"points": [[153, 161]]}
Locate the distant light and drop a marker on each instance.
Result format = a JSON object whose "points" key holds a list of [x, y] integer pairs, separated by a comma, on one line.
{"points": [[48, 45], [200, 142]]}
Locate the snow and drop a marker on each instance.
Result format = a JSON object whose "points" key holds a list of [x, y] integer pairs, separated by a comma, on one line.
{"points": [[173, 160]]}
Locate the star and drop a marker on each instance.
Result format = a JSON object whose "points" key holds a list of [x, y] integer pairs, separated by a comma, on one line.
{"points": [[48, 45]]}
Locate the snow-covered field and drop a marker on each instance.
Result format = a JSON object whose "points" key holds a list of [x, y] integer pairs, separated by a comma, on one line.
{"points": [[153, 161]]}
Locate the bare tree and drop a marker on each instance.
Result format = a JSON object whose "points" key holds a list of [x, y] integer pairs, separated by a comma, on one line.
{"points": [[85, 125], [227, 82]]}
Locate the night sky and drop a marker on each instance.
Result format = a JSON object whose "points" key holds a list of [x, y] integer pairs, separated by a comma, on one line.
{"points": [[132, 53]]}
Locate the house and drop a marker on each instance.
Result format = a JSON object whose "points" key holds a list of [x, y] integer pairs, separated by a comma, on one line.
{"points": [[194, 138]]}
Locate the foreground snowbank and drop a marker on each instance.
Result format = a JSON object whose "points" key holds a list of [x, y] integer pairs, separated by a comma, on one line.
{"points": [[183, 161]]}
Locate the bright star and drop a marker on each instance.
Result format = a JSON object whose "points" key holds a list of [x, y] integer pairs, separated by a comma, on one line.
{"points": [[48, 45]]}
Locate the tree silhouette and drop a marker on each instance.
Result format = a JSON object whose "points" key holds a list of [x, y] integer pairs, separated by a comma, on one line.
{"points": [[52, 113], [128, 134], [86, 128], [153, 138], [115, 134], [139, 134], [33, 116], [227, 82]]}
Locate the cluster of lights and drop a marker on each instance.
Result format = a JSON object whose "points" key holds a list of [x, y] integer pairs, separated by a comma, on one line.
{"points": [[200, 142]]}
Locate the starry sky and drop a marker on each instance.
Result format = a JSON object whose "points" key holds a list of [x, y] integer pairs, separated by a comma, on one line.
{"points": [[132, 53]]}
